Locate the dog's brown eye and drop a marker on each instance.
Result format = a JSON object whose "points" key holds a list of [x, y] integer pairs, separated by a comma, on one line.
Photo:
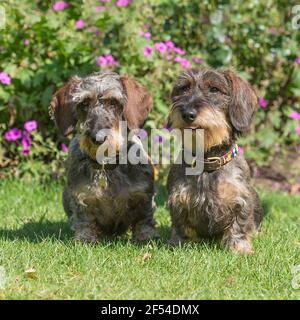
{"points": [[84, 104], [114, 102], [214, 90], [185, 88]]}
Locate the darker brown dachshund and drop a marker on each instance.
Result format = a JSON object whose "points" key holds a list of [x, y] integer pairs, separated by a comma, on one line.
{"points": [[220, 201]]}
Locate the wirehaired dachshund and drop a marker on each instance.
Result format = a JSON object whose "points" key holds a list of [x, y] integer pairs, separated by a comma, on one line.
{"points": [[103, 199]]}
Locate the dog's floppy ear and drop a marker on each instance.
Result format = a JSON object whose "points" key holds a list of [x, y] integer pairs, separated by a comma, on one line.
{"points": [[139, 103], [60, 108], [243, 102]]}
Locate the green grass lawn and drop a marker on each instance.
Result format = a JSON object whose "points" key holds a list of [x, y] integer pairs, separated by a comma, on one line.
{"points": [[34, 234]]}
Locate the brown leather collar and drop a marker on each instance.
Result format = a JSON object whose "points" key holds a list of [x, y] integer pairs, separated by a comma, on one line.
{"points": [[215, 163]]}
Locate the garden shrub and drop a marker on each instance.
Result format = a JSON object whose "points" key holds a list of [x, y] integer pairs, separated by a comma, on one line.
{"points": [[43, 43]]}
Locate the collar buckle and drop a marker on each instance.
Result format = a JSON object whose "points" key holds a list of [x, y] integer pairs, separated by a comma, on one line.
{"points": [[215, 160]]}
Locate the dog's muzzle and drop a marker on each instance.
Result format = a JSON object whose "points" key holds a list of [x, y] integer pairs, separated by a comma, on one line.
{"points": [[88, 146]]}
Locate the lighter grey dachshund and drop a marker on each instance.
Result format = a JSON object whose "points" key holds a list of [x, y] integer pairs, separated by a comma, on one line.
{"points": [[104, 200]]}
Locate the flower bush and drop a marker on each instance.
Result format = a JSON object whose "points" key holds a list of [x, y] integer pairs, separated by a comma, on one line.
{"points": [[45, 42]]}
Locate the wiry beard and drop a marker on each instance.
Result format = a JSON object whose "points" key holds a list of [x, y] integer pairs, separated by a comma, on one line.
{"points": [[217, 130]]}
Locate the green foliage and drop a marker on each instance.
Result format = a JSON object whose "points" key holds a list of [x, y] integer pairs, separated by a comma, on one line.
{"points": [[255, 37]]}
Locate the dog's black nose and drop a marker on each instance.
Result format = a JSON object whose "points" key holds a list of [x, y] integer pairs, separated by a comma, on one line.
{"points": [[189, 115]]}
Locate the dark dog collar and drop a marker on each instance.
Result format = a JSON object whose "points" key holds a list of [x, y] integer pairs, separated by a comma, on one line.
{"points": [[215, 163]]}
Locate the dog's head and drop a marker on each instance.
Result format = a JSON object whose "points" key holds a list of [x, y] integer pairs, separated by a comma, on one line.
{"points": [[219, 102], [97, 104]]}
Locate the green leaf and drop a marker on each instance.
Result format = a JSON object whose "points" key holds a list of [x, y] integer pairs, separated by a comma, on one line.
{"points": [[46, 96]]}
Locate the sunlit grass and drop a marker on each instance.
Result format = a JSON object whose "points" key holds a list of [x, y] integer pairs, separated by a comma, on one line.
{"points": [[35, 234]]}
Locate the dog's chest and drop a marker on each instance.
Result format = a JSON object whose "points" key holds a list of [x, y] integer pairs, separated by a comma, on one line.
{"points": [[196, 205], [113, 193]]}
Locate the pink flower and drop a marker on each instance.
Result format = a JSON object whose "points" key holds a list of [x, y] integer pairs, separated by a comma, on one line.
{"points": [[297, 130], [106, 61], [97, 33], [79, 24], [168, 127], [123, 3], [101, 61], [25, 152], [13, 134], [297, 60], [148, 51], [159, 139], [30, 126], [64, 148], [60, 5], [26, 143], [142, 134], [241, 151], [170, 44], [5, 78], [100, 8], [197, 60], [295, 115], [146, 35], [161, 47], [110, 59], [263, 102], [26, 42], [184, 62], [273, 30], [179, 51]]}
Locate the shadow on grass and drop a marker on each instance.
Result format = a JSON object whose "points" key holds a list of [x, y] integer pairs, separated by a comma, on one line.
{"points": [[36, 232], [266, 207], [39, 231]]}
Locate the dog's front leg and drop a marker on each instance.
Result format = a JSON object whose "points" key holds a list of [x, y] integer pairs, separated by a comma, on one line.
{"points": [[178, 236], [85, 232], [84, 225], [144, 229], [82, 222], [238, 236]]}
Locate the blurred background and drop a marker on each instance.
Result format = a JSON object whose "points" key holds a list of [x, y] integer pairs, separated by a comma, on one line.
{"points": [[43, 43]]}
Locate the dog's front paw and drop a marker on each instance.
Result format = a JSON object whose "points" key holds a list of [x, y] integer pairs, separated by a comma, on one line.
{"points": [[145, 233], [87, 235], [242, 247], [175, 242], [177, 239]]}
